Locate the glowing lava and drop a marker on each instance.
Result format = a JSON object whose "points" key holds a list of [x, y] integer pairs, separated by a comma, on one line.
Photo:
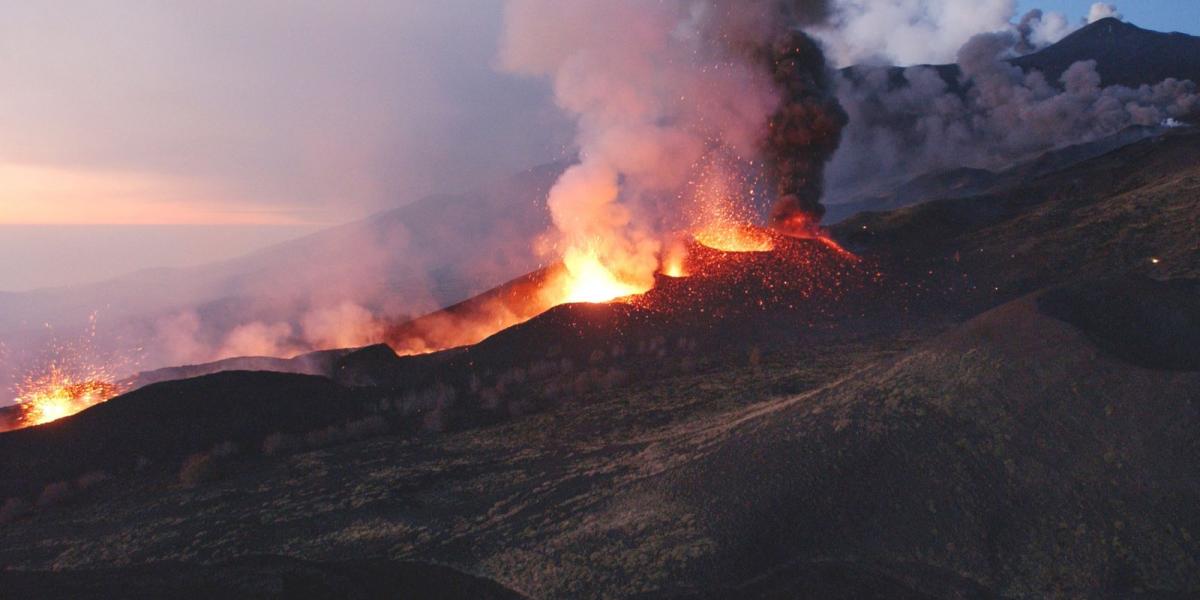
{"points": [[804, 228], [67, 383], [586, 279], [735, 238], [56, 395], [674, 260]]}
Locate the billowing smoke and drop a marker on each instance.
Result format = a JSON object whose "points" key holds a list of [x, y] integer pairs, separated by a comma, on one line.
{"points": [[804, 132], [988, 116], [654, 87], [908, 32], [917, 32], [1102, 10], [1038, 29]]}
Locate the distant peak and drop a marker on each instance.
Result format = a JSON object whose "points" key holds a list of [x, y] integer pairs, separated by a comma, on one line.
{"points": [[1110, 22]]}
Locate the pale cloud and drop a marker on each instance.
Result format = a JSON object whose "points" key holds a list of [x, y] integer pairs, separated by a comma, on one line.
{"points": [[291, 106], [48, 195]]}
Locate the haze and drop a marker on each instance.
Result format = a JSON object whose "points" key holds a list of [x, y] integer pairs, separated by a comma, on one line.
{"points": [[243, 124], [274, 116]]}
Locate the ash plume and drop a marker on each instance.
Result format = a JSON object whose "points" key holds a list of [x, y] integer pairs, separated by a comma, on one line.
{"points": [[988, 116], [654, 87], [804, 132]]}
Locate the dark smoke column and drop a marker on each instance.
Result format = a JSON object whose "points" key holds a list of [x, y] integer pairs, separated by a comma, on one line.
{"points": [[803, 134]]}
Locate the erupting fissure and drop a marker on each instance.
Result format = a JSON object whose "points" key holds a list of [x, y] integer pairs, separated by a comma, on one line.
{"points": [[56, 395], [68, 383], [727, 98], [587, 280]]}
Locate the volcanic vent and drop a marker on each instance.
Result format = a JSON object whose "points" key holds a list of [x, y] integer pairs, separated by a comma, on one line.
{"points": [[710, 277]]}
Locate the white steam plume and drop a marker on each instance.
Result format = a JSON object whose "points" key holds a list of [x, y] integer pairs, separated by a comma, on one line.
{"points": [[994, 115], [654, 86], [1102, 10], [648, 96]]}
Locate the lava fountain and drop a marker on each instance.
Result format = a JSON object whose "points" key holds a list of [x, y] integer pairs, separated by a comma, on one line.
{"points": [[56, 394], [69, 382]]}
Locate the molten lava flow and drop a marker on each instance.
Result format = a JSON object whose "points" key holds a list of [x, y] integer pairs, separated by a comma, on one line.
{"points": [[674, 260], [802, 227], [56, 395], [735, 238], [587, 279]]}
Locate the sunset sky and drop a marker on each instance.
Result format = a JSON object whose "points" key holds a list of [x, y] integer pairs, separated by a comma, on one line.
{"points": [[269, 118]]}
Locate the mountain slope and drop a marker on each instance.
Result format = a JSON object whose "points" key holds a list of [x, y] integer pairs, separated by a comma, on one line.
{"points": [[402, 262], [1124, 53], [997, 414]]}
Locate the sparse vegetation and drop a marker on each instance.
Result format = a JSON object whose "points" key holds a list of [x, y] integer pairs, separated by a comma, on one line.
{"points": [[197, 469], [13, 509], [280, 443], [54, 493]]}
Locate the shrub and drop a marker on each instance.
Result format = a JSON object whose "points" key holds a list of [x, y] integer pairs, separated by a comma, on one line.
{"points": [[197, 469], [613, 378], [54, 493], [92, 479], [368, 427], [490, 399], [13, 509], [280, 443], [324, 437], [436, 421], [521, 406], [225, 450]]}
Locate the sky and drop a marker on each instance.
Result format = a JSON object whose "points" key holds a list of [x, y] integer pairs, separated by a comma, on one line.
{"points": [[265, 118], [235, 124], [1160, 15]]}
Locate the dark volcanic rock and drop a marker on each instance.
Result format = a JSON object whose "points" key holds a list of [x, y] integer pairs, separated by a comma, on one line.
{"points": [[370, 366], [260, 578], [313, 363], [1124, 53], [165, 422], [1154, 324]]}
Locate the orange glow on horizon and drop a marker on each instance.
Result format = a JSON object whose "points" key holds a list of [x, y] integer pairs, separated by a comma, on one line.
{"points": [[46, 195]]}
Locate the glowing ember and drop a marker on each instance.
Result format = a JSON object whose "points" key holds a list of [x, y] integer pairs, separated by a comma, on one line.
{"points": [[735, 238], [68, 382], [804, 228], [588, 280], [674, 269], [674, 260], [56, 395]]}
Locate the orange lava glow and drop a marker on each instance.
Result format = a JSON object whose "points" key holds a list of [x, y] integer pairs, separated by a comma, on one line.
{"points": [[587, 279], [735, 238], [806, 229], [67, 383], [674, 260], [55, 395]]}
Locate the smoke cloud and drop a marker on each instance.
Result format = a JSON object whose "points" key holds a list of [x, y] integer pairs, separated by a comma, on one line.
{"points": [[923, 32], [1102, 10], [804, 132], [654, 88], [990, 116], [909, 32]]}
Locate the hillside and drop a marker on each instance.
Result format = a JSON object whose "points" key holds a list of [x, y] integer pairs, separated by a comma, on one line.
{"points": [[998, 400], [1125, 54], [403, 261], [945, 166]]}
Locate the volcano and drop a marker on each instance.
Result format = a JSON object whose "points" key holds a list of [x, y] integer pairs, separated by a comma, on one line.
{"points": [[985, 394], [928, 417], [807, 277]]}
